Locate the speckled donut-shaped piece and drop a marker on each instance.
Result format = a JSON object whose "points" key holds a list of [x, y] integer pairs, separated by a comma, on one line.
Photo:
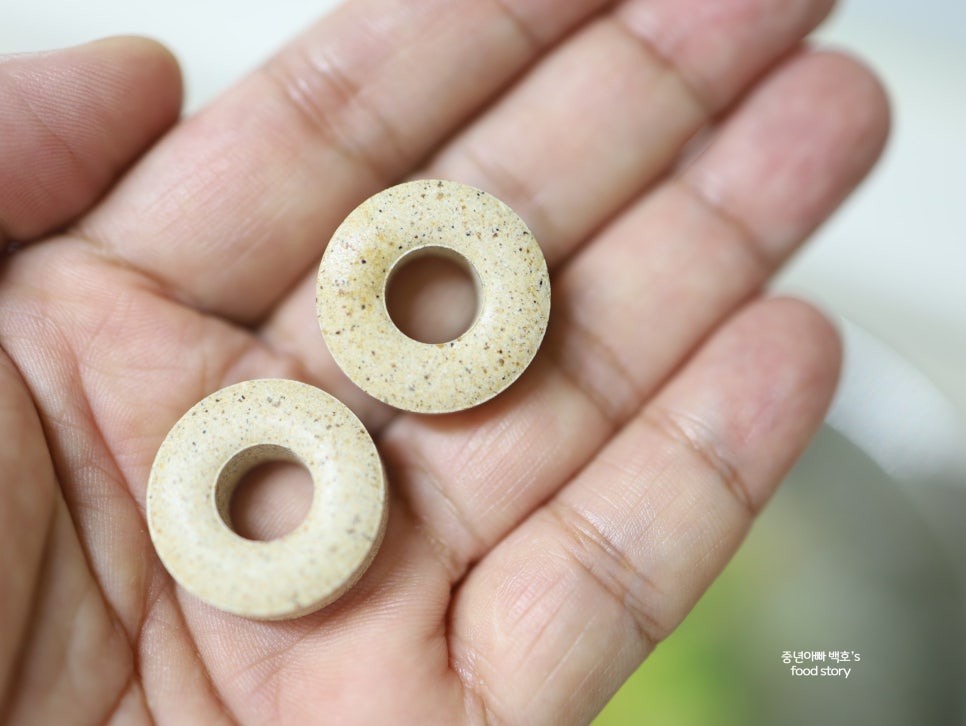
{"points": [[433, 217], [213, 446]]}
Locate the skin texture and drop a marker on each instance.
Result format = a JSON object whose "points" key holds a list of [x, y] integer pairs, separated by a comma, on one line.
{"points": [[668, 156]]}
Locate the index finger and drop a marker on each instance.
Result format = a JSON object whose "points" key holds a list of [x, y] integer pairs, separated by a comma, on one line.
{"points": [[243, 196]]}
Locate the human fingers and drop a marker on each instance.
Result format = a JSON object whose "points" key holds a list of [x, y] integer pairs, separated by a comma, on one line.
{"points": [[632, 305], [551, 622], [612, 109], [25, 512], [57, 664], [244, 195], [589, 127], [71, 121]]}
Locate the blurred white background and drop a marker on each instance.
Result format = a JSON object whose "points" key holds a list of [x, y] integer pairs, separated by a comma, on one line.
{"points": [[886, 478]]}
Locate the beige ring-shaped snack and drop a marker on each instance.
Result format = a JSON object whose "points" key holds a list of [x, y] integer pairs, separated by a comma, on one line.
{"points": [[213, 446], [444, 218]]}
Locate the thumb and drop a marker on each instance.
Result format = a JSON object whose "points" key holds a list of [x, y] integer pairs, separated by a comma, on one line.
{"points": [[71, 121]]}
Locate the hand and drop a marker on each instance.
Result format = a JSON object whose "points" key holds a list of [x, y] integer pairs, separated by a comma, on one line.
{"points": [[667, 155]]}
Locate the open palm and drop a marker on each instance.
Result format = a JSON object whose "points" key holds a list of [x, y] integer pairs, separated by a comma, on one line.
{"points": [[667, 155]]}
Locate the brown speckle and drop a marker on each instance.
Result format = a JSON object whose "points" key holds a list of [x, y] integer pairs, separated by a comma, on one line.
{"points": [[509, 269]]}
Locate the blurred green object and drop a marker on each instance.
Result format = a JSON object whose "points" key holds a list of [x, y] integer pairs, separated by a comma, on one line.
{"points": [[691, 678], [843, 559]]}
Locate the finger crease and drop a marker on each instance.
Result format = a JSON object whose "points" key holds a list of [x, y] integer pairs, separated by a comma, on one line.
{"points": [[620, 579], [132, 684], [110, 255], [220, 704], [448, 555], [507, 185], [703, 194], [612, 411], [525, 29], [304, 80], [689, 433], [478, 699], [693, 89]]}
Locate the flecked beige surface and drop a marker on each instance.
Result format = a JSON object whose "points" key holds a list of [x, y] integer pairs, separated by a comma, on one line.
{"points": [[211, 448], [433, 217]]}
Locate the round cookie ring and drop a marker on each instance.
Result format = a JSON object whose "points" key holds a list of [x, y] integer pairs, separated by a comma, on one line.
{"points": [[443, 218], [213, 446]]}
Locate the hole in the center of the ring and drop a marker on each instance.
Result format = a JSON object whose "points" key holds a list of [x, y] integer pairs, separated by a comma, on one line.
{"points": [[432, 295], [264, 493]]}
